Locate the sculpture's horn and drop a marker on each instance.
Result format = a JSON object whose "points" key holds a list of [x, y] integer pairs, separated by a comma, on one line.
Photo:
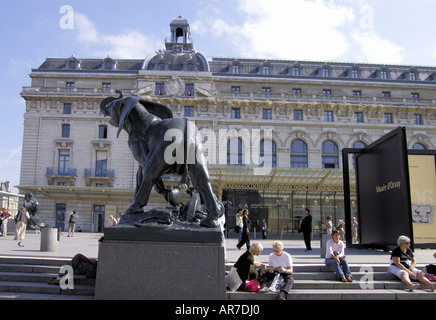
{"points": [[104, 105]]}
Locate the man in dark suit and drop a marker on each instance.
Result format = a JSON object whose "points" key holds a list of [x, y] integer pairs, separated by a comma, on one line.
{"points": [[306, 228]]}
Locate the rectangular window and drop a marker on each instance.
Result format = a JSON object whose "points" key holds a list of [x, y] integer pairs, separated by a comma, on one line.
{"points": [[327, 94], [65, 131], [102, 132], [266, 114], [69, 86], [386, 95], [64, 162], [298, 115], [296, 93], [106, 85], [189, 111], [328, 116], [67, 108], [236, 91], [160, 87], [417, 119], [266, 92], [236, 113], [388, 118], [414, 96], [101, 163], [358, 116], [357, 93]]}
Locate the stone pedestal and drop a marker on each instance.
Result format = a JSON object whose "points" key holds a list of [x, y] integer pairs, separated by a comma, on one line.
{"points": [[160, 263], [49, 239], [324, 237]]}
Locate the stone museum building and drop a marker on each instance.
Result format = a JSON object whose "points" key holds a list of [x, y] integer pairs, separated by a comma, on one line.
{"points": [[273, 129]]}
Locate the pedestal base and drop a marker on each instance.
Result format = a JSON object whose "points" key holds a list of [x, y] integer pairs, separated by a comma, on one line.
{"points": [[152, 264]]}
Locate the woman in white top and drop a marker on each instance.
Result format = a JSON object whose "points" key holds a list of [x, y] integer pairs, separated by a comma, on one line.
{"points": [[281, 262], [335, 257]]}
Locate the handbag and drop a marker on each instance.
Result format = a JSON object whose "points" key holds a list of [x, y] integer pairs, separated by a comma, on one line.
{"points": [[253, 285], [277, 283], [233, 281]]}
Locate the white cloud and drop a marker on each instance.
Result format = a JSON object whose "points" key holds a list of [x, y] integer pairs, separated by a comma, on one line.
{"points": [[374, 49], [318, 30], [295, 29], [129, 44]]}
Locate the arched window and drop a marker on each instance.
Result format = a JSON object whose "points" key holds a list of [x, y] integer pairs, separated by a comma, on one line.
{"points": [[383, 74], [359, 144], [419, 146], [235, 69], [265, 70], [268, 153], [235, 152], [295, 71], [412, 76], [299, 154], [325, 72], [330, 155], [354, 73]]}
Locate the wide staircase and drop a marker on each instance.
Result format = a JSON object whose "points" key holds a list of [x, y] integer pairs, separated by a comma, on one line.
{"points": [[318, 282], [27, 278]]}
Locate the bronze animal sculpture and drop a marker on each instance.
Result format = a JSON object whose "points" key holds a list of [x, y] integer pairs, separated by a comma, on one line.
{"points": [[146, 124]]}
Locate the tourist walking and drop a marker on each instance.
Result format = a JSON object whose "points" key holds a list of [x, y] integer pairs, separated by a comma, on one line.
{"points": [[246, 224], [264, 228], [72, 223], [4, 216], [20, 225]]}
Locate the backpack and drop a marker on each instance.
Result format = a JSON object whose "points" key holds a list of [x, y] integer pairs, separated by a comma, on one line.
{"points": [[431, 269]]}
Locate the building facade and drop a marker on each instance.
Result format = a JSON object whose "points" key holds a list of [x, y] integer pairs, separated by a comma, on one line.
{"points": [[273, 129]]}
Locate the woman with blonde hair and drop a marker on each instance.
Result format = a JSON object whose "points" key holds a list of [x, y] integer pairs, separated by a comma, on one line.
{"points": [[403, 265]]}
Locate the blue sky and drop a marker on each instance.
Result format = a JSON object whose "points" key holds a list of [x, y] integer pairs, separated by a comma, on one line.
{"points": [[364, 31]]}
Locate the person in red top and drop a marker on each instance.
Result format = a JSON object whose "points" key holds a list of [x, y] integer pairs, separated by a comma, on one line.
{"points": [[4, 215]]}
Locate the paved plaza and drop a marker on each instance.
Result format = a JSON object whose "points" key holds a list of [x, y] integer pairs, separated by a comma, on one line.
{"points": [[87, 244]]}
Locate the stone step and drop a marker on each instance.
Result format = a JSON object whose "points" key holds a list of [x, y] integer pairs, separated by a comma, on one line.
{"points": [[29, 268], [35, 287], [26, 278], [34, 261], [334, 294], [330, 275], [324, 268], [41, 296], [40, 277]]}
